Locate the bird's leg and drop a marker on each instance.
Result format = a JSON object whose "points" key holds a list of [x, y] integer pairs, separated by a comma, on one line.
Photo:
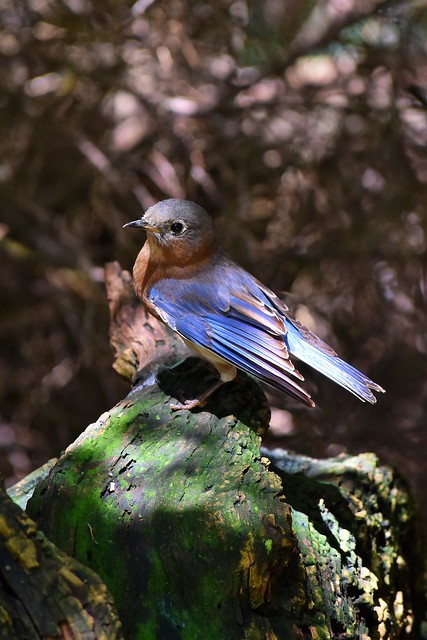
{"points": [[227, 372], [200, 400]]}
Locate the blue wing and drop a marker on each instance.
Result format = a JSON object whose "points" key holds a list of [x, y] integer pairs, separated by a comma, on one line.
{"points": [[308, 348], [246, 347], [230, 313]]}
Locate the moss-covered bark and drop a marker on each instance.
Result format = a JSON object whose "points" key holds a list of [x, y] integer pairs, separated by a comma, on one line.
{"points": [[45, 594], [196, 537], [22, 491], [357, 539]]}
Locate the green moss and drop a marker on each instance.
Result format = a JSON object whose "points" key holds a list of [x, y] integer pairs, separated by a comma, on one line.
{"points": [[181, 518]]}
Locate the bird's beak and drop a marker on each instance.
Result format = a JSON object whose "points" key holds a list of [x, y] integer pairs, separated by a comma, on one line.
{"points": [[140, 223]]}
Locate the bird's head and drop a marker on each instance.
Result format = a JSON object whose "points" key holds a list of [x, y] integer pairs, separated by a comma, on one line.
{"points": [[179, 232]]}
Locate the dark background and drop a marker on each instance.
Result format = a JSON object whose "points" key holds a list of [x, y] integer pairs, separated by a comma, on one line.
{"points": [[301, 126]]}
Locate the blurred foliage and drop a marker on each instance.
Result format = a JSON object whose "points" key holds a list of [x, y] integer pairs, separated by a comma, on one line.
{"points": [[302, 126]]}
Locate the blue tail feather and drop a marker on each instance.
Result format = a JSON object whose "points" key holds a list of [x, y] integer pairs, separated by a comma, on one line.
{"points": [[331, 366]]}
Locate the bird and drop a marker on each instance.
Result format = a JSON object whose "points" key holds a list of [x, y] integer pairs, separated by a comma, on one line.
{"points": [[227, 316]]}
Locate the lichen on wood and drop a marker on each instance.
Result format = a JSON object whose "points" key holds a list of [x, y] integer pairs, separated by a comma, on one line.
{"points": [[355, 524]]}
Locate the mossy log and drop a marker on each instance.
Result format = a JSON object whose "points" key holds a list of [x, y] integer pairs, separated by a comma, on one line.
{"points": [[199, 536], [45, 594], [22, 491], [196, 536]]}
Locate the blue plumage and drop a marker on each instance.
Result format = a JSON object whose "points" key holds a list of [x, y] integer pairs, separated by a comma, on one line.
{"points": [[228, 312], [331, 366], [223, 312]]}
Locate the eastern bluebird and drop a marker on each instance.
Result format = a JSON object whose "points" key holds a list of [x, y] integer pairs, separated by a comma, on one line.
{"points": [[227, 316]]}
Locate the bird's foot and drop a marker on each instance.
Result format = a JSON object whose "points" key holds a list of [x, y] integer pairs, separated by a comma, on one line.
{"points": [[197, 402], [188, 404]]}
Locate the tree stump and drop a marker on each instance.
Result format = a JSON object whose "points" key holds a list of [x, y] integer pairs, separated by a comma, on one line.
{"points": [[198, 535]]}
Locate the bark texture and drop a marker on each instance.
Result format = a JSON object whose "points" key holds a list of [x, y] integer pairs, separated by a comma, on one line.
{"points": [[140, 343], [196, 536], [45, 594]]}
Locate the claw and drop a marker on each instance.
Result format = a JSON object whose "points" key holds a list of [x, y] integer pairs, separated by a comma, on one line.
{"points": [[197, 402]]}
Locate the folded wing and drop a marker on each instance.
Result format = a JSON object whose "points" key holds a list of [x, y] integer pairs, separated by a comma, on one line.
{"points": [[235, 317]]}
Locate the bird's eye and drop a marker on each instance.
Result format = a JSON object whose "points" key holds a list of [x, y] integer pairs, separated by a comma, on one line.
{"points": [[177, 228]]}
